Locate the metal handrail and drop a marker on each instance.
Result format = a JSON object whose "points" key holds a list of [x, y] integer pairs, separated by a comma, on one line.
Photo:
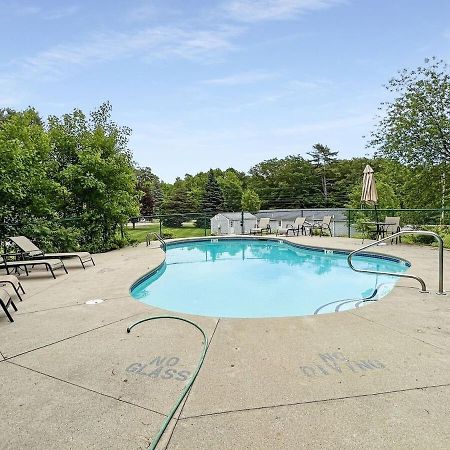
{"points": [[160, 239], [415, 277]]}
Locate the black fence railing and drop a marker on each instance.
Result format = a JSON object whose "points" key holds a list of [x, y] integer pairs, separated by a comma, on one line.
{"points": [[67, 233]]}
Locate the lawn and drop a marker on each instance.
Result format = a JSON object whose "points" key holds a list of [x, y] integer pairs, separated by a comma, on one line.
{"points": [[187, 230]]}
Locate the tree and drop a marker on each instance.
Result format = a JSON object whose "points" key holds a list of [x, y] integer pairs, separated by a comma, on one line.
{"points": [[150, 186], [177, 205], [30, 199], [212, 201], [231, 187], [415, 127], [95, 167], [386, 196], [322, 157], [250, 201], [290, 182]]}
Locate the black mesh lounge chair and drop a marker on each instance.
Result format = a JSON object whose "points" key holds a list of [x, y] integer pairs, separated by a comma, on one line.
{"points": [[11, 280], [5, 302], [50, 264], [35, 252]]}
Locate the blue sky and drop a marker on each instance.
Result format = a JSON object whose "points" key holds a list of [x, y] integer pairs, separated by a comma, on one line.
{"points": [[218, 83]]}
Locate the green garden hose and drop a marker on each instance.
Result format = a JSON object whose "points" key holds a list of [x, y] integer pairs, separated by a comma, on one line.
{"points": [[157, 438]]}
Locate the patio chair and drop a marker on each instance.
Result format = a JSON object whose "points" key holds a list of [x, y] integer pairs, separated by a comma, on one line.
{"points": [[392, 227], [50, 264], [300, 224], [324, 225], [32, 251], [14, 283], [263, 225], [6, 302]]}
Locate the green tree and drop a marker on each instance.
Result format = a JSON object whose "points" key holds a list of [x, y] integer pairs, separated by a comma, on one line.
{"points": [[150, 186], [212, 201], [386, 196], [321, 158], [231, 187], [414, 128], [177, 205], [95, 167], [250, 201], [290, 182], [30, 200]]}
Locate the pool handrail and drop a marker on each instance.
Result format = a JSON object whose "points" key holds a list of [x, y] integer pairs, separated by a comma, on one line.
{"points": [[160, 239], [415, 277]]}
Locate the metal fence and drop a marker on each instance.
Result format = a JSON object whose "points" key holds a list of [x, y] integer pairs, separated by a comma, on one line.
{"points": [[345, 223], [345, 220]]}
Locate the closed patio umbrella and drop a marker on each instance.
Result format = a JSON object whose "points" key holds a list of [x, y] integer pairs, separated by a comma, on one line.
{"points": [[369, 192]]}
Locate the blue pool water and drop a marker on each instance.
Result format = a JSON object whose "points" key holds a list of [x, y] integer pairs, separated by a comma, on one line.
{"points": [[261, 278]]}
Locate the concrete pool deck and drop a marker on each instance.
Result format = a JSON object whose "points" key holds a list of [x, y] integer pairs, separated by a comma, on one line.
{"points": [[373, 377]]}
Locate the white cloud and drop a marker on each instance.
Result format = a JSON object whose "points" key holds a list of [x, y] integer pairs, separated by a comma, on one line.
{"points": [[242, 78], [61, 13], [263, 10], [141, 12], [326, 125], [147, 44], [21, 9]]}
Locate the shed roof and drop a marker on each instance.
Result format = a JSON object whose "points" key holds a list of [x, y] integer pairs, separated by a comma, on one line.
{"points": [[292, 214], [237, 215]]}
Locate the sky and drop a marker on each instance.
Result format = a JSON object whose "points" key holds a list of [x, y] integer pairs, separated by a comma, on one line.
{"points": [[218, 83]]}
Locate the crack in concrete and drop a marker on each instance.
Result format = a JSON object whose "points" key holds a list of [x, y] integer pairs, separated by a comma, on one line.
{"points": [[331, 399], [85, 388], [398, 331], [189, 393], [106, 299], [71, 337]]}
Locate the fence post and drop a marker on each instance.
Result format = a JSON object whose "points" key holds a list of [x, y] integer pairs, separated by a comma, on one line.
{"points": [[349, 222], [204, 224]]}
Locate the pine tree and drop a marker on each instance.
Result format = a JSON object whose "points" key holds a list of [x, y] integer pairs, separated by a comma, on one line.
{"points": [[322, 157], [212, 200], [177, 206]]}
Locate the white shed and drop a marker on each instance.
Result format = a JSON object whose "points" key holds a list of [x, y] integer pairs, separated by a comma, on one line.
{"points": [[230, 223]]}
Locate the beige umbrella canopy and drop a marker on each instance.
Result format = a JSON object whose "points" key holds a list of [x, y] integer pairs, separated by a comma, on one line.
{"points": [[369, 191]]}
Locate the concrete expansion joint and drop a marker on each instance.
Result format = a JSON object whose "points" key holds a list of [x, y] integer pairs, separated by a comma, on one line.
{"points": [[355, 313], [85, 388], [309, 402], [178, 417], [24, 313], [73, 336]]}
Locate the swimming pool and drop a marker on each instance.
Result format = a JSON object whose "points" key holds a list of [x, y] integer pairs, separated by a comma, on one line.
{"points": [[262, 278]]}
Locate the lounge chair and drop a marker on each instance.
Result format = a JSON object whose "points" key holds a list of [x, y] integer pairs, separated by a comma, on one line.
{"points": [[5, 302], [263, 225], [300, 224], [325, 224], [50, 264], [32, 251], [14, 282]]}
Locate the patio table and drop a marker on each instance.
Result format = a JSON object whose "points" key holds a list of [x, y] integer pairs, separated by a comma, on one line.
{"points": [[381, 228]]}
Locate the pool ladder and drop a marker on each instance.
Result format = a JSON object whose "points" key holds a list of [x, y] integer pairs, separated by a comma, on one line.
{"points": [[414, 277], [160, 239]]}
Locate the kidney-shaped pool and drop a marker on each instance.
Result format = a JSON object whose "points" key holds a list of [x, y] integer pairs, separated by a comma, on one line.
{"points": [[262, 278]]}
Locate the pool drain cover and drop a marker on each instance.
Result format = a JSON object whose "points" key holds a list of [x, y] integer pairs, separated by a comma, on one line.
{"points": [[94, 301]]}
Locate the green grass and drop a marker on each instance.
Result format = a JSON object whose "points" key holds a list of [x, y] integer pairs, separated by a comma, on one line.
{"points": [[140, 232]]}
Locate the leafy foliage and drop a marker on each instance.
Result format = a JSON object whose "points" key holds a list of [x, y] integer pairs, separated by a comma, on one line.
{"points": [[250, 201], [73, 167], [415, 126], [150, 186]]}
